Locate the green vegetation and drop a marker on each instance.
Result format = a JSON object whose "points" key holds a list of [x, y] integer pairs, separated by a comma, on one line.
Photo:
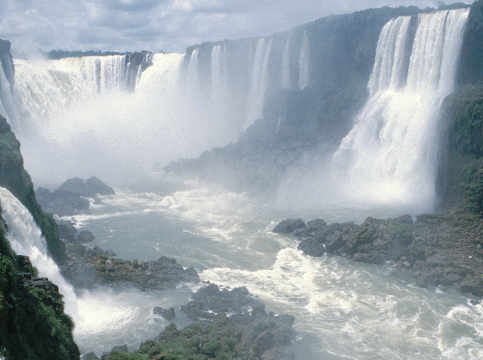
{"points": [[220, 340], [14, 177], [464, 111], [33, 325]]}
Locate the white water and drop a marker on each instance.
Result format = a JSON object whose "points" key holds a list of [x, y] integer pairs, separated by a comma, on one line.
{"points": [[103, 318], [392, 149], [259, 81], [115, 134], [219, 74], [286, 73], [45, 88], [304, 63], [350, 310], [26, 239]]}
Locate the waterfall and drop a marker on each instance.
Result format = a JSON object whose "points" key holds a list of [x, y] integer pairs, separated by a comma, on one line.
{"points": [[286, 73], [192, 83], [259, 81], [391, 154], [44, 89], [304, 63], [388, 68], [25, 238], [218, 73]]}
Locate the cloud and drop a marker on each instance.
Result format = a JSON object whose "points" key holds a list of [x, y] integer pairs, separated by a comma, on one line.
{"points": [[159, 24]]}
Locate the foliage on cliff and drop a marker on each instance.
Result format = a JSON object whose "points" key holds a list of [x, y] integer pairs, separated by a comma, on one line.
{"points": [[33, 325], [464, 112], [14, 177]]}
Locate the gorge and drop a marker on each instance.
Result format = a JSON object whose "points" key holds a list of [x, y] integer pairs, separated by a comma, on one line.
{"points": [[374, 114]]}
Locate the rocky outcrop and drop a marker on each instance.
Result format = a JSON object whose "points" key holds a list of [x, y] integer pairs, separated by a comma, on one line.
{"points": [[71, 197], [471, 68], [33, 324], [88, 266], [14, 177], [435, 250], [226, 325], [7, 81]]}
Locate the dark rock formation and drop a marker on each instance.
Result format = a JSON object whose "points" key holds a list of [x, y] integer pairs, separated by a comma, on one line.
{"points": [[88, 188], [7, 102], [87, 267], [289, 226], [14, 177], [437, 250], [167, 314], [33, 324], [471, 68], [70, 197], [227, 325]]}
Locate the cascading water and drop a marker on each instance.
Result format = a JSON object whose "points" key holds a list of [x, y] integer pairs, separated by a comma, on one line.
{"points": [[391, 154], [192, 75], [46, 88], [259, 81], [26, 239], [286, 73], [218, 74], [103, 318], [304, 63]]}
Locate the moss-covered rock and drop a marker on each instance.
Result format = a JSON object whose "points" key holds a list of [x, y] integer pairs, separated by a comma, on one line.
{"points": [[14, 177], [227, 325], [33, 325], [463, 168]]}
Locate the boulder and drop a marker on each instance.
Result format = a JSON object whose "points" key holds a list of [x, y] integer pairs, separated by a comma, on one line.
{"points": [[167, 314], [289, 226]]}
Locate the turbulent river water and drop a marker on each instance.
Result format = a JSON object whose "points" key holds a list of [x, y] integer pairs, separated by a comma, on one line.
{"points": [[343, 310], [76, 115]]}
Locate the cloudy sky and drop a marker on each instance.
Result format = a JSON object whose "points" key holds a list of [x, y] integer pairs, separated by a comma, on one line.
{"points": [[159, 24]]}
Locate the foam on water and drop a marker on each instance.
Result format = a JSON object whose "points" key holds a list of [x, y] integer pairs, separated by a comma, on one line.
{"points": [[358, 312], [103, 318]]}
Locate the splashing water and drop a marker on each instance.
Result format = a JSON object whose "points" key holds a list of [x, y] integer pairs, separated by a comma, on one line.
{"points": [[103, 318], [392, 149]]}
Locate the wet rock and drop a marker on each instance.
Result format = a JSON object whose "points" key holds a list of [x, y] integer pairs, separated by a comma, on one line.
{"points": [[289, 226], [436, 250], [85, 236], [210, 301], [71, 197], [87, 267], [120, 348], [167, 314], [90, 356], [87, 188]]}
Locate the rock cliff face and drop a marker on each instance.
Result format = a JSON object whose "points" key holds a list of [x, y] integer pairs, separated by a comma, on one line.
{"points": [[461, 179], [14, 177], [33, 325], [300, 123], [7, 80]]}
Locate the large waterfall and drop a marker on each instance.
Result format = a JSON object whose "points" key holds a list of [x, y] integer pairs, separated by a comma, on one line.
{"points": [[45, 88], [391, 154]]}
